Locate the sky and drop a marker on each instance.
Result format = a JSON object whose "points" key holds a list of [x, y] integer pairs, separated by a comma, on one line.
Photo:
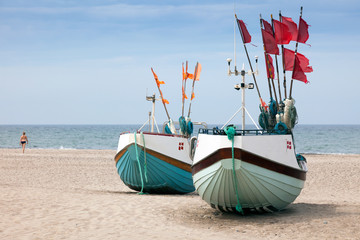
{"points": [[89, 62]]}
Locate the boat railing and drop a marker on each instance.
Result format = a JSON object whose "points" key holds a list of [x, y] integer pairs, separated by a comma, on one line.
{"points": [[177, 125], [239, 132]]}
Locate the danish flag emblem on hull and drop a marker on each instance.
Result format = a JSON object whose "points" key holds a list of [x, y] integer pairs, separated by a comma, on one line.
{"points": [[181, 146], [288, 145]]}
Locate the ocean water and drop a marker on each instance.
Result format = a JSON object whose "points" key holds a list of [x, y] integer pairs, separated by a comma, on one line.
{"points": [[317, 139]]}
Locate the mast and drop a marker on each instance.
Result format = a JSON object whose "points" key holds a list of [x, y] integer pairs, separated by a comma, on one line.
{"points": [[283, 60], [268, 67], [296, 47], [184, 86], [277, 67], [162, 98], [153, 112], [193, 85], [247, 54]]}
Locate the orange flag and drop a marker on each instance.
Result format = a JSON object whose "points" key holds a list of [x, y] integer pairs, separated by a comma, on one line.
{"points": [[183, 93], [158, 84], [197, 73], [157, 79], [264, 105], [185, 76]]}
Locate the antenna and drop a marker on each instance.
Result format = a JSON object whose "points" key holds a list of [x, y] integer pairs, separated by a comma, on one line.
{"points": [[242, 86], [234, 39]]}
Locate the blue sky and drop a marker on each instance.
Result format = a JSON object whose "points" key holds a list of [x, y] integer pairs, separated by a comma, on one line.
{"points": [[88, 62]]}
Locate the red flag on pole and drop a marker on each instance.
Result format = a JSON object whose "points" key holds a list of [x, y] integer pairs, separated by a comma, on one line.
{"points": [[303, 34], [298, 73], [292, 27], [289, 61], [282, 33], [269, 66], [243, 30], [269, 42], [267, 27]]}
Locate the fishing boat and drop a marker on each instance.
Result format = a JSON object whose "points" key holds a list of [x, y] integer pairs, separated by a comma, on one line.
{"points": [[153, 162], [157, 161], [246, 170]]}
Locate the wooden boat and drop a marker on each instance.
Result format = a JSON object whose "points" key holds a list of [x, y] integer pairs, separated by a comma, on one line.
{"points": [[264, 173], [157, 162], [247, 169]]}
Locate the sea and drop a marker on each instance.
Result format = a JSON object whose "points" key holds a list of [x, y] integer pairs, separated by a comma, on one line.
{"points": [[309, 139]]}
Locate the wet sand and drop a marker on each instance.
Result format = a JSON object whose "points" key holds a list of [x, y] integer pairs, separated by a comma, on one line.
{"points": [[77, 194]]}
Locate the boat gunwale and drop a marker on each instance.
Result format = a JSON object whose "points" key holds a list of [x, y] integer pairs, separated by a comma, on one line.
{"points": [[154, 133]]}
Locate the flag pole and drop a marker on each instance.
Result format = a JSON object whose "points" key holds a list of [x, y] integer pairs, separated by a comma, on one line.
{"points": [[277, 67], [268, 67], [283, 60], [184, 86], [296, 47], [247, 54], [162, 99], [193, 85]]}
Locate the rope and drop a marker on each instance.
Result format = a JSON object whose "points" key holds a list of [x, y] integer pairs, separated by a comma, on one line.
{"points": [[281, 128], [230, 132], [186, 126], [182, 123], [145, 162], [138, 160], [272, 107], [189, 128], [167, 129]]}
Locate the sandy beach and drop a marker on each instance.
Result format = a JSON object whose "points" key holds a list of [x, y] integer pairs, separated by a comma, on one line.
{"points": [[77, 194]]}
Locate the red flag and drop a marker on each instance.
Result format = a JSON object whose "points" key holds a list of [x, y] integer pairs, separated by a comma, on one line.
{"points": [[244, 32], [292, 27], [269, 66], [298, 73], [282, 33], [269, 43], [303, 34], [267, 27], [289, 61]]}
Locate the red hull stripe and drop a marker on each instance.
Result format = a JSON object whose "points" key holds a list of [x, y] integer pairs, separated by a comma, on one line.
{"points": [[225, 153]]}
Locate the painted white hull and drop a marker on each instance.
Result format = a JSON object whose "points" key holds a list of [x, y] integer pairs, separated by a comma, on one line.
{"points": [[267, 174]]}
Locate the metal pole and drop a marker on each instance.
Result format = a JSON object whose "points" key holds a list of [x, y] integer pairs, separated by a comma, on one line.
{"points": [[283, 61], [247, 54], [277, 67], [193, 85], [268, 65], [243, 97], [296, 47], [153, 113], [162, 100]]}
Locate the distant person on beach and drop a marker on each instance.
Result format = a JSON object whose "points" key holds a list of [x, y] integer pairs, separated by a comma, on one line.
{"points": [[23, 141]]}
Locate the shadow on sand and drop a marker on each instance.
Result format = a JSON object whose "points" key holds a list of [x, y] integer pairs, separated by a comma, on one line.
{"points": [[293, 213]]}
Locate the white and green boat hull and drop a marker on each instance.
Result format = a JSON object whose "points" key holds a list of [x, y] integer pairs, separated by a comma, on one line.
{"points": [[257, 178]]}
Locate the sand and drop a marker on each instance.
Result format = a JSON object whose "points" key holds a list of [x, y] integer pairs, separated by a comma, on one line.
{"points": [[77, 194]]}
